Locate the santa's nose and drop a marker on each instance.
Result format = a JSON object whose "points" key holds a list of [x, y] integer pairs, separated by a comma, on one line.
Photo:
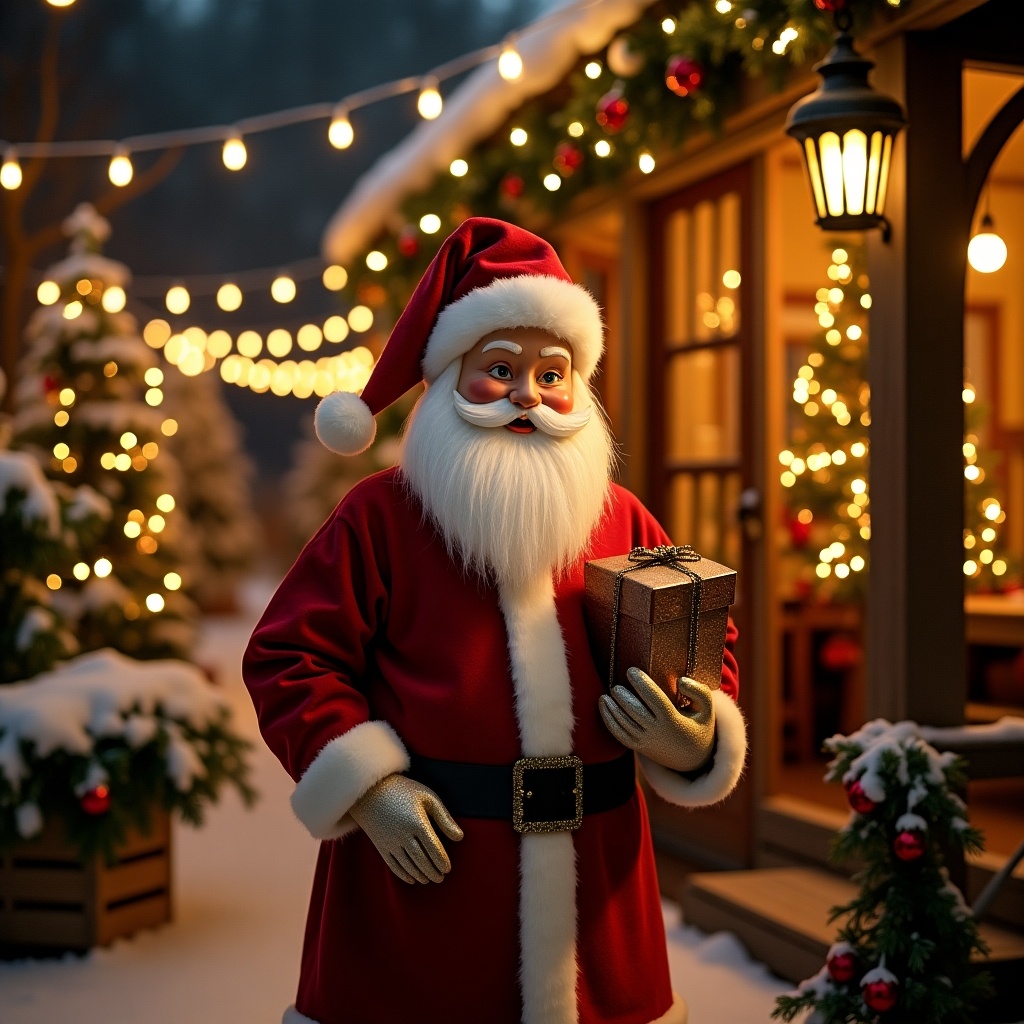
{"points": [[524, 395]]}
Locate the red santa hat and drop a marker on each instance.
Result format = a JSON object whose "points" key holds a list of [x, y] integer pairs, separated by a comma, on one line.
{"points": [[487, 275]]}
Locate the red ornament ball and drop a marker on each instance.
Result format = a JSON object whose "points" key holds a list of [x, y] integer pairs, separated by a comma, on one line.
{"points": [[683, 75], [408, 241], [96, 801], [568, 158], [880, 995], [858, 799], [840, 653], [909, 845], [613, 111], [50, 384], [512, 186], [842, 967], [830, 5], [799, 533]]}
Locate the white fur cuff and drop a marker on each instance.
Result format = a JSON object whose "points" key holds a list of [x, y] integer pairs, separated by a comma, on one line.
{"points": [[342, 772], [292, 1016], [725, 772]]}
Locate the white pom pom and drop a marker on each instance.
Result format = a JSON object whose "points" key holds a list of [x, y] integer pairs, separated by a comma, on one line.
{"points": [[345, 424]]}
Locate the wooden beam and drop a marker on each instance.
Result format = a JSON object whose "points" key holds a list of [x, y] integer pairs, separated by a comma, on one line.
{"points": [[915, 620]]}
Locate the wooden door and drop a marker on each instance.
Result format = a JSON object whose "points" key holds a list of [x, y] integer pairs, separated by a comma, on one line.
{"points": [[700, 431]]}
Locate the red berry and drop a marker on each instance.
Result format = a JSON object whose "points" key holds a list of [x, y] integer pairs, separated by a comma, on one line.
{"points": [[858, 799], [909, 845], [96, 801], [612, 111], [683, 75], [880, 995], [830, 5]]}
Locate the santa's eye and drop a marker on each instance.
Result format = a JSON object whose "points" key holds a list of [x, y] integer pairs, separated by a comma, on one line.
{"points": [[550, 377], [500, 372]]}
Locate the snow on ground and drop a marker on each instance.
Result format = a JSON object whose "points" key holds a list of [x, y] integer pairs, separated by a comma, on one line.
{"points": [[231, 955]]}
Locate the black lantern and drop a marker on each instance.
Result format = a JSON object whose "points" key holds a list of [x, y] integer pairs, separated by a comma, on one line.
{"points": [[846, 131]]}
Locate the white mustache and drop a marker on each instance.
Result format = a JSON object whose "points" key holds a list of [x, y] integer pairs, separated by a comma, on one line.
{"points": [[502, 412]]}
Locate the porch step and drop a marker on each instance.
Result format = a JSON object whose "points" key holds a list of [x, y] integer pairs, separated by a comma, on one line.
{"points": [[781, 916]]}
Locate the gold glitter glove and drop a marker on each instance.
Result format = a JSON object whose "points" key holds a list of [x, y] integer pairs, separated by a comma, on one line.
{"points": [[649, 723], [395, 814]]}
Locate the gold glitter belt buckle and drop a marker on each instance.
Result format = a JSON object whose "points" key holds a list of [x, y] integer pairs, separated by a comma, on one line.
{"points": [[547, 794]]}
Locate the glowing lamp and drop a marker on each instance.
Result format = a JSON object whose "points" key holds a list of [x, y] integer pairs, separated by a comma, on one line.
{"points": [[234, 153], [10, 171], [986, 252], [120, 170], [429, 102], [846, 131], [510, 64], [340, 133]]}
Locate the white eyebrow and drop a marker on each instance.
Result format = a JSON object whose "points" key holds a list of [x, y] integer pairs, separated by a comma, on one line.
{"points": [[556, 350], [509, 346]]}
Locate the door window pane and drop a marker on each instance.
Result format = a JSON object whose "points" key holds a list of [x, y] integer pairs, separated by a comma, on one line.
{"points": [[702, 405]]}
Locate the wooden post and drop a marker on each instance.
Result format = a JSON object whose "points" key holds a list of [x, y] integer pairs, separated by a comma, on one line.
{"points": [[915, 620]]}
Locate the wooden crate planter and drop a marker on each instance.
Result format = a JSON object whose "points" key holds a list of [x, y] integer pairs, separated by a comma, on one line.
{"points": [[51, 900]]}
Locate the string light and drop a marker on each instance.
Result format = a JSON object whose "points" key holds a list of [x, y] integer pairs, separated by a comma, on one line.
{"points": [[177, 299], [552, 182], [48, 293], [229, 297], [518, 137], [510, 64], [335, 278], [120, 170], [646, 162], [593, 69], [603, 147], [234, 153], [10, 171], [459, 168], [60, 3], [429, 102], [340, 133], [430, 223], [376, 260], [114, 299], [282, 289], [986, 251]]}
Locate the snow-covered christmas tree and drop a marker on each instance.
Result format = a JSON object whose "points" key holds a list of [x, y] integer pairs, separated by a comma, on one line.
{"points": [[87, 406], [216, 490], [825, 465], [904, 947]]}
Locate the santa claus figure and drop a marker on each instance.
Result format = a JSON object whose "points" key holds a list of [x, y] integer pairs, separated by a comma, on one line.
{"points": [[424, 675]]}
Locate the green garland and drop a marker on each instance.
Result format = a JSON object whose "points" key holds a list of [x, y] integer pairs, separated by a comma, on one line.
{"points": [[506, 181]]}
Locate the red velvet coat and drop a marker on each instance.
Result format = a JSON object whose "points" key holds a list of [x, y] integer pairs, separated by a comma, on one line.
{"points": [[375, 624]]}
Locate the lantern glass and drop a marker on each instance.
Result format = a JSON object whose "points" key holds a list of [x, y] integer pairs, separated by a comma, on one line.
{"points": [[846, 132]]}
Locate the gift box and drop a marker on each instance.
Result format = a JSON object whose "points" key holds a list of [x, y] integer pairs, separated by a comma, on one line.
{"points": [[664, 610]]}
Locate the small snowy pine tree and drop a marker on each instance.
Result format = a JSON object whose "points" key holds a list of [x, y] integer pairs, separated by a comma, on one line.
{"points": [[904, 947], [79, 409]]}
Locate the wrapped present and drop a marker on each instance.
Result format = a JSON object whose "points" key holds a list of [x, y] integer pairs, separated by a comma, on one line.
{"points": [[664, 610]]}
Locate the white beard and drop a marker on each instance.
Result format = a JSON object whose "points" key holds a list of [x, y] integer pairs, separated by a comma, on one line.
{"points": [[515, 505]]}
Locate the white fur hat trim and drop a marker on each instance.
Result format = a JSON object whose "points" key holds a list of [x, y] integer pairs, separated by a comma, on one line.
{"points": [[564, 309], [344, 423]]}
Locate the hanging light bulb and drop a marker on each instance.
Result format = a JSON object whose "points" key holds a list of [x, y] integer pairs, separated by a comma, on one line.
{"points": [[510, 64], [340, 133], [986, 251], [10, 172], [429, 103], [234, 153], [229, 297], [177, 299], [120, 170]]}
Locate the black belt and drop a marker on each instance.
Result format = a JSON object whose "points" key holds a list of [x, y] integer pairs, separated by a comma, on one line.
{"points": [[538, 794]]}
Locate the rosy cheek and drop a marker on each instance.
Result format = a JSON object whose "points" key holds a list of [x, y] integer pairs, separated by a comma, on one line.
{"points": [[483, 389], [558, 399]]}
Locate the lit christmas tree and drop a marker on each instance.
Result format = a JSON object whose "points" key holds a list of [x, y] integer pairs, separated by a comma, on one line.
{"points": [[988, 566], [903, 952], [216, 485], [87, 406], [825, 466]]}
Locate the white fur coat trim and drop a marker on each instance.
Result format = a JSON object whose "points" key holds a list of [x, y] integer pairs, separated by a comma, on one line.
{"points": [[564, 309], [342, 772], [726, 771], [547, 862]]}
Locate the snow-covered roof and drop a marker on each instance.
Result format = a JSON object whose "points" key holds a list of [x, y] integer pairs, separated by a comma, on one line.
{"points": [[549, 48]]}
